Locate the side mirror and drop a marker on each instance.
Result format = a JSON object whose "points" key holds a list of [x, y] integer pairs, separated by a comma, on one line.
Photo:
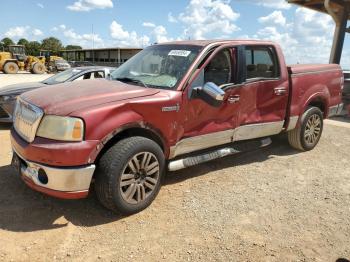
{"points": [[210, 93]]}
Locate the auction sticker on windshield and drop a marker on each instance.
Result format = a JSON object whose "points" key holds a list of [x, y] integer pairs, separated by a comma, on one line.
{"points": [[184, 53]]}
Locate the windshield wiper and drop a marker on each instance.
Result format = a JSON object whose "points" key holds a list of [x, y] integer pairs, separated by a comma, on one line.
{"points": [[128, 79]]}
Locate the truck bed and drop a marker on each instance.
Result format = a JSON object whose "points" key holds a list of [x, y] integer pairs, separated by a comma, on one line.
{"points": [[321, 80], [311, 68]]}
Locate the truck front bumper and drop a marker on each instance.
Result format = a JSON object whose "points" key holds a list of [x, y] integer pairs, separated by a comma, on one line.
{"points": [[66, 183]]}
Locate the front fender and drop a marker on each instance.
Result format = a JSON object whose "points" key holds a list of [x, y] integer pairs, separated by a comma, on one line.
{"points": [[113, 123]]}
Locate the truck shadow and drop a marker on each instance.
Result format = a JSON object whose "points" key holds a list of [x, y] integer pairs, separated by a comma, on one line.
{"points": [[5, 126], [279, 147], [344, 119], [24, 210]]}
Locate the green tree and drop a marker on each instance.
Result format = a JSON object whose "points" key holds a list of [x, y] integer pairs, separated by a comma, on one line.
{"points": [[73, 47], [5, 42], [33, 48], [23, 41], [52, 44]]}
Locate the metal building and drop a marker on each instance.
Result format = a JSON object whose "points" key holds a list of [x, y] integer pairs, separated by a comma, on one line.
{"points": [[101, 56], [339, 10]]}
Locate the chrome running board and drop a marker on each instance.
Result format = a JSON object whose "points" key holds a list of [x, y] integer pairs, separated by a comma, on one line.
{"points": [[234, 149]]}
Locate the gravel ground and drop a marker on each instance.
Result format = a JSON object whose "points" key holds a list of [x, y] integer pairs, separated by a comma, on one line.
{"points": [[274, 204], [21, 78]]}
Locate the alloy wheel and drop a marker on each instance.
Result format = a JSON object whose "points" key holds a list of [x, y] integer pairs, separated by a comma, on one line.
{"points": [[313, 129], [139, 178]]}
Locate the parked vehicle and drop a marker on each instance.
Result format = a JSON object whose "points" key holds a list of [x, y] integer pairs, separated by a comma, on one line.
{"points": [[80, 63], [15, 59], [59, 65], [9, 94], [171, 106], [346, 92], [53, 63]]}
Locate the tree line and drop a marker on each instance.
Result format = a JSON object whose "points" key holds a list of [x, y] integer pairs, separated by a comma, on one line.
{"points": [[33, 47]]}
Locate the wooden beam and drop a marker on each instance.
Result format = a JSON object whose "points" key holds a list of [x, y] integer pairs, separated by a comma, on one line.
{"points": [[318, 5]]}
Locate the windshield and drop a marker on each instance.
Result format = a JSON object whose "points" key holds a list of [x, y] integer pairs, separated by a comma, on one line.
{"points": [[61, 77], [158, 66], [17, 49]]}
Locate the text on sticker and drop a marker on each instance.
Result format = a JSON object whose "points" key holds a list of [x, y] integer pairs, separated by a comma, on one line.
{"points": [[184, 53]]}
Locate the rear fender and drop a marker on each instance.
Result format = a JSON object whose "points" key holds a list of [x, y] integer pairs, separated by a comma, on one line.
{"points": [[304, 97], [321, 97]]}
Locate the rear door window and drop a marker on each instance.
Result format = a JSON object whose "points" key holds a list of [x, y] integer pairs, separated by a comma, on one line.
{"points": [[85, 76], [98, 74], [261, 62]]}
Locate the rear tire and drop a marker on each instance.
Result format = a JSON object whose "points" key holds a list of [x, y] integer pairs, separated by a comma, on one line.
{"points": [[129, 174], [11, 68], [38, 68], [306, 136]]}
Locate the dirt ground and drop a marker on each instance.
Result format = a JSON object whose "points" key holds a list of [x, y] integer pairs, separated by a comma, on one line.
{"points": [[274, 204]]}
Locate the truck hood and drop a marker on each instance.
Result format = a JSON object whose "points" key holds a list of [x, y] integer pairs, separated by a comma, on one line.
{"points": [[17, 89], [63, 99]]}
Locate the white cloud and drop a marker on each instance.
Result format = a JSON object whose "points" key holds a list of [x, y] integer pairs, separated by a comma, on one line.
{"points": [[37, 32], [160, 34], [40, 5], [205, 18], [126, 38], [84, 40], [60, 27], [171, 18], [276, 17], [276, 4], [312, 25], [28, 32], [148, 24], [17, 32], [88, 5], [305, 39]]}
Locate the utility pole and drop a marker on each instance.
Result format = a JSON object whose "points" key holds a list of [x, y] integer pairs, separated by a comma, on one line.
{"points": [[93, 44]]}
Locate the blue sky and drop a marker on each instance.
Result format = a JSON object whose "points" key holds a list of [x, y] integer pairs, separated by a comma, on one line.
{"points": [[304, 35]]}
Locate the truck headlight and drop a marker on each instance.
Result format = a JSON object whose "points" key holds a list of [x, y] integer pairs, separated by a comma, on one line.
{"points": [[61, 128]]}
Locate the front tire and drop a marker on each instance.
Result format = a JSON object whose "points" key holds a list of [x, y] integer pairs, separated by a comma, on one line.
{"points": [[38, 68], [129, 175], [11, 68], [306, 136]]}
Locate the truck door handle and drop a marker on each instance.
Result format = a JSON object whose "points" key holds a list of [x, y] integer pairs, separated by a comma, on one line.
{"points": [[280, 91], [233, 99]]}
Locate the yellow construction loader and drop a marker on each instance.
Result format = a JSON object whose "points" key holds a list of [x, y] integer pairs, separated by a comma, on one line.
{"points": [[15, 59], [53, 63]]}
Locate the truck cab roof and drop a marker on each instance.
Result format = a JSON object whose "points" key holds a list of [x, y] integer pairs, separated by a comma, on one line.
{"points": [[219, 41]]}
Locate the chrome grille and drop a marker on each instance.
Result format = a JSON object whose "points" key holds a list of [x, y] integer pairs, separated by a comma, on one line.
{"points": [[27, 119]]}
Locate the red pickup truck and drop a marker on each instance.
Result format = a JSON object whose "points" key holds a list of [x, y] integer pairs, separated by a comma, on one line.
{"points": [[171, 106]]}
